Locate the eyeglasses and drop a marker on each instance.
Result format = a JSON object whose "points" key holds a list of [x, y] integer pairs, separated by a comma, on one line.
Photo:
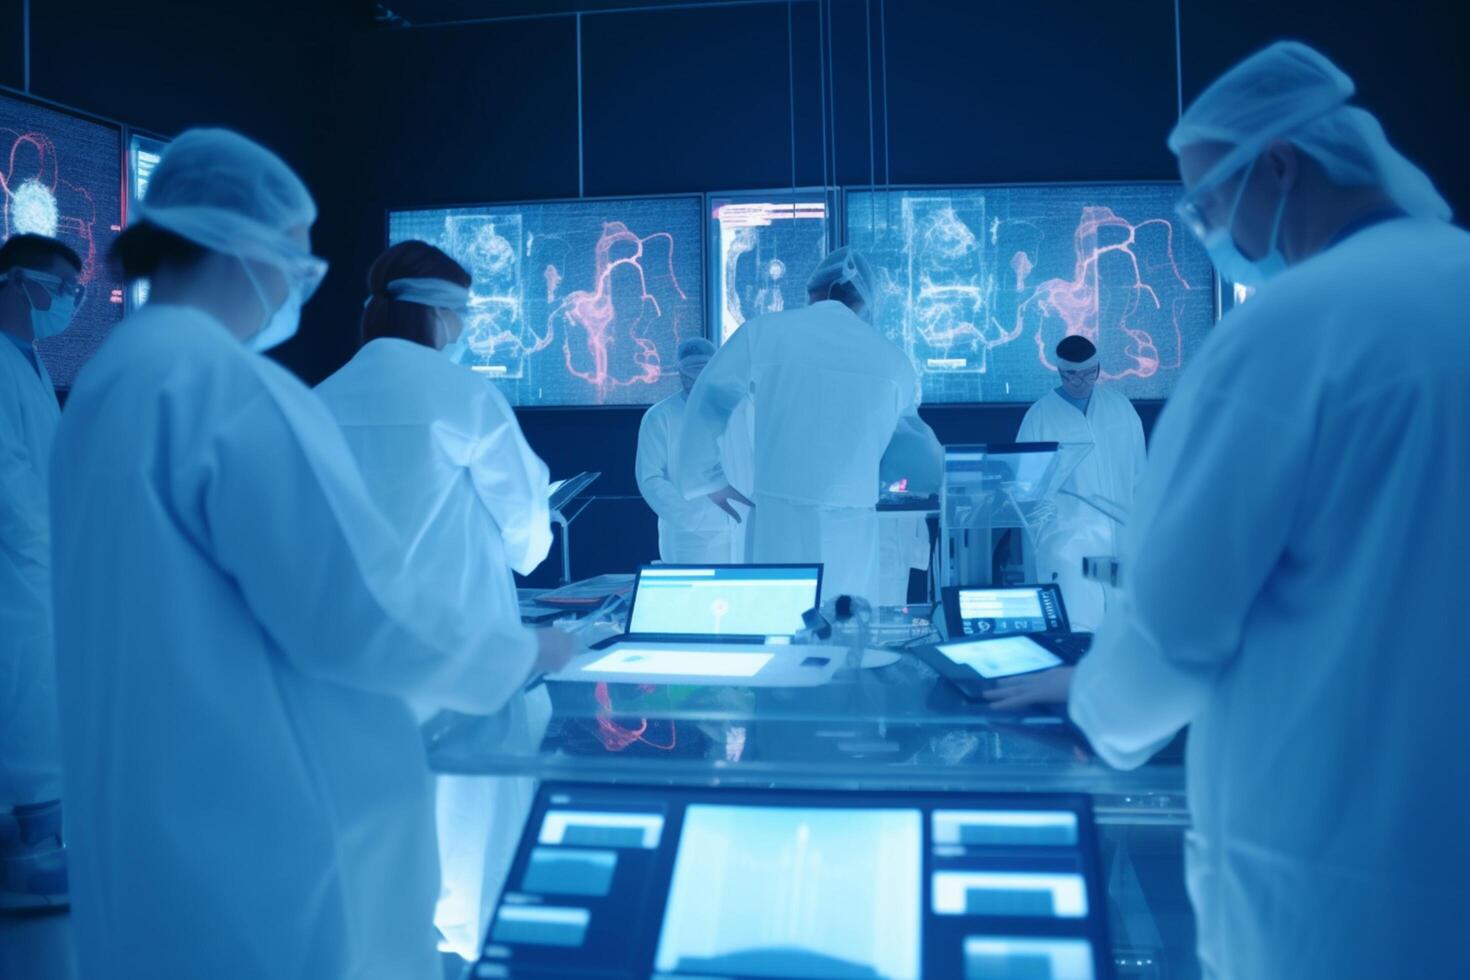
{"points": [[55, 285], [1091, 374]]}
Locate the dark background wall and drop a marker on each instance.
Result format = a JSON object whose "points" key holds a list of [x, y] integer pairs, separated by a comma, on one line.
{"points": [[702, 99]]}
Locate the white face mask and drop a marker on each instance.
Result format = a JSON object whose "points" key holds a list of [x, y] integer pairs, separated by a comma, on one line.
{"points": [[1234, 267], [281, 325], [58, 316]]}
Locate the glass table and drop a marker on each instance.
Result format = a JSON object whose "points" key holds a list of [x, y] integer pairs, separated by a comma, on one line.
{"points": [[899, 726]]}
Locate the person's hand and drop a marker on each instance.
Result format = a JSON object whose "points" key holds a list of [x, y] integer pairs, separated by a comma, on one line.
{"points": [[1044, 687], [554, 648], [722, 498]]}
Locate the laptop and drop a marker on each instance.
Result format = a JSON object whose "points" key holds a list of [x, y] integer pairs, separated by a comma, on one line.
{"points": [[715, 625], [719, 604]]}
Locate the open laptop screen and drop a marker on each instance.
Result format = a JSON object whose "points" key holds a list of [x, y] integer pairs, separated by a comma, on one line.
{"points": [[723, 600]]}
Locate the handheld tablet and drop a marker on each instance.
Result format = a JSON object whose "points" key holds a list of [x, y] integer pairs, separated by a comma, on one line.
{"points": [[975, 665], [1005, 656]]}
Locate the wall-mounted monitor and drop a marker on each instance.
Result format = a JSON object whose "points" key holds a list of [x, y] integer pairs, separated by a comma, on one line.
{"points": [[144, 152], [978, 284], [763, 247], [61, 176], [575, 303]]}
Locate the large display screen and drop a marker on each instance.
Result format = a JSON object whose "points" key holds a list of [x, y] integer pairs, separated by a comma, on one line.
{"points": [[978, 285], [144, 152], [575, 303], [638, 881], [61, 176], [763, 249]]}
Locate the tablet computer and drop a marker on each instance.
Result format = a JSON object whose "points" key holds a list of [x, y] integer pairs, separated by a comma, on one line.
{"points": [[974, 665], [983, 611]]}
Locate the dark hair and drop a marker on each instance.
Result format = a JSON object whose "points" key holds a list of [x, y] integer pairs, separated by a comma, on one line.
{"points": [[35, 252], [847, 294], [385, 316], [143, 247], [1076, 349]]}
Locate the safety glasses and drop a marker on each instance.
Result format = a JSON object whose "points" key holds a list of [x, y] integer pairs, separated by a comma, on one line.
{"points": [[56, 286]]}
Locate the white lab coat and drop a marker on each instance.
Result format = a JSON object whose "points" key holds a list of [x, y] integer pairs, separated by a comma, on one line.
{"points": [[236, 631], [1106, 476], [444, 458], [828, 390], [30, 745], [693, 532], [1294, 570]]}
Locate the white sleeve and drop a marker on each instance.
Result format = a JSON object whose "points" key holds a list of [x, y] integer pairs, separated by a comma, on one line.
{"points": [[652, 466], [1200, 548], [511, 481], [289, 518], [721, 386], [25, 542]]}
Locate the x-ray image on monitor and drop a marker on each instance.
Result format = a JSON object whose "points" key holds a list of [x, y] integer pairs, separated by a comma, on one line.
{"points": [[574, 302], [795, 892], [763, 249], [978, 285], [61, 176]]}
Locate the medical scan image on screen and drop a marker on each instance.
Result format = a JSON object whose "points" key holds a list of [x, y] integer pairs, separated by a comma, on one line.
{"points": [[978, 285], [576, 302], [763, 249], [61, 176], [795, 892]]}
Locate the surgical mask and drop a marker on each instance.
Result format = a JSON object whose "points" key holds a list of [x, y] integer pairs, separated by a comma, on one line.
{"points": [[282, 324], [55, 319], [49, 323], [1231, 262]]}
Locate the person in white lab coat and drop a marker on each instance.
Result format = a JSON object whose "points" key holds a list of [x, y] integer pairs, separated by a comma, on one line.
{"points": [[39, 294], [444, 458], [1294, 564], [828, 390], [1093, 505], [238, 627], [690, 532]]}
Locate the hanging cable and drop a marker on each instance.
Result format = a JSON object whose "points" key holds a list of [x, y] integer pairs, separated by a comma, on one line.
{"points": [[791, 95], [822, 82]]}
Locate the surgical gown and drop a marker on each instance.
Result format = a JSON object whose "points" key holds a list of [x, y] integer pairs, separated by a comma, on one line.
{"points": [[444, 458], [30, 746], [1294, 570], [828, 390], [237, 630], [1098, 492], [689, 531]]}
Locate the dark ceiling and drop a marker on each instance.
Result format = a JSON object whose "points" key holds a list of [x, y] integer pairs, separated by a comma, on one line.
{"points": [[419, 13]]}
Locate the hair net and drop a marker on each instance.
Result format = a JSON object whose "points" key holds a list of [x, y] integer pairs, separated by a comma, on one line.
{"points": [[220, 190], [1290, 91], [438, 293], [845, 265]]}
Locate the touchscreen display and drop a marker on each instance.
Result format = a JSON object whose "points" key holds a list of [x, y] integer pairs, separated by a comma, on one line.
{"points": [[795, 892], [1001, 657], [1004, 612]]}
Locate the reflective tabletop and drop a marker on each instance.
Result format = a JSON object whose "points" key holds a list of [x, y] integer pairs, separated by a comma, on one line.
{"points": [[900, 725]]}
